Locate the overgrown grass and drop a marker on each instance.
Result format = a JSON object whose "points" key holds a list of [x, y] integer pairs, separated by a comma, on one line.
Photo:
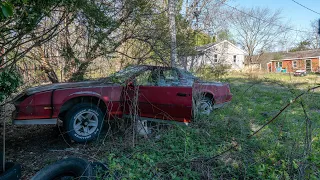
{"points": [[218, 147]]}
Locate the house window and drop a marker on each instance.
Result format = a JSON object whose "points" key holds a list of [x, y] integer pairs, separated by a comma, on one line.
{"points": [[279, 64], [234, 58], [215, 58], [294, 64]]}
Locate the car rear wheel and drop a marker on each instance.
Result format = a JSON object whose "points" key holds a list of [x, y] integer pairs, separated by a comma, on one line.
{"points": [[84, 122], [205, 106]]}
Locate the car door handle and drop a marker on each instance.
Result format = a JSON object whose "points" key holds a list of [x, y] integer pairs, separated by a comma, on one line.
{"points": [[182, 94]]}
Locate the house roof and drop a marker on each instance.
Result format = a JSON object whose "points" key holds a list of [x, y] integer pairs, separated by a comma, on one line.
{"points": [[204, 47], [207, 46], [265, 58], [299, 54], [283, 55]]}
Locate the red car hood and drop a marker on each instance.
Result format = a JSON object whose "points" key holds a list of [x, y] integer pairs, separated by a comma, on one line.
{"points": [[66, 85]]}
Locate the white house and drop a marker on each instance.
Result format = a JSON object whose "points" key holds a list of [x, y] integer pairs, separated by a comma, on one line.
{"points": [[223, 52]]}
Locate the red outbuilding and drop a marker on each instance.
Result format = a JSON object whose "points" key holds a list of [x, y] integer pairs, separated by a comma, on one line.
{"points": [[300, 60]]}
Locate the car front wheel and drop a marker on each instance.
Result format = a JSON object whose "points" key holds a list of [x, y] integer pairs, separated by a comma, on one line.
{"points": [[84, 122]]}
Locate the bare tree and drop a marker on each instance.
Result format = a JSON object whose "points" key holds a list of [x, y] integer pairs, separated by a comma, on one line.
{"points": [[258, 30], [23, 31], [95, 32], [313, 36], [208, 16]]}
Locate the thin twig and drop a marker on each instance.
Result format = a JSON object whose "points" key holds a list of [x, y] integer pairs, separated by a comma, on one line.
{"points": [[4, 140], [285, 107]]}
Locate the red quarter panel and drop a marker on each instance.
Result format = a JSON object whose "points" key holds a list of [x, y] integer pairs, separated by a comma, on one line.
{"points": [[221, 92]]}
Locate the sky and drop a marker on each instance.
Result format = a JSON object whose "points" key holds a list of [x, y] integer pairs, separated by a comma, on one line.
{"points": [[298, 16]]}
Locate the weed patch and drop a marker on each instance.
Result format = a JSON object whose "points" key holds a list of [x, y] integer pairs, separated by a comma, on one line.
{"points": [[217, 146]]}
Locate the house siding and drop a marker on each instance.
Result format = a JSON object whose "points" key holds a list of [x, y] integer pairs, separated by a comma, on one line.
{"points": [[315, 64], [269, 67], [273, 66], [287, 65], [225, 52], [300, 64]]}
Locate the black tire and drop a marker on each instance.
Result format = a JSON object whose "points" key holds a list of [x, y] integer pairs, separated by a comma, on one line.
{"points": [[71, 118], [70, 168], [13, 171]]}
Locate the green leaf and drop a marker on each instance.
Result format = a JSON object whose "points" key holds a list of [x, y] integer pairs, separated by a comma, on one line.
{"points": [[7, 10]]}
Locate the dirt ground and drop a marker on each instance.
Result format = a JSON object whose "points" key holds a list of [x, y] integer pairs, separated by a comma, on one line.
{"points": [[35, 146]]}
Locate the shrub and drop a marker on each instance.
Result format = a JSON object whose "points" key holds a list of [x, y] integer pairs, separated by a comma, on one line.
{"points": [[214, 72], [10, 80]]}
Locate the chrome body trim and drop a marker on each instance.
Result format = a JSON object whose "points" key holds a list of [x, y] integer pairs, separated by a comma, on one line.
{"points": [[34, 121], [85, 93]]}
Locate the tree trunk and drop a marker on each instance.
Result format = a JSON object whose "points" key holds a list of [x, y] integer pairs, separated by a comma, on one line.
{"points": [[52, 76], [172, 30], [46, 66], [79, 75]]}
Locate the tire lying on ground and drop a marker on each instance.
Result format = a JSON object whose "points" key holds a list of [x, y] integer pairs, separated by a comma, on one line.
{"points": [[70, 168], [12, 172], [84, 122]]}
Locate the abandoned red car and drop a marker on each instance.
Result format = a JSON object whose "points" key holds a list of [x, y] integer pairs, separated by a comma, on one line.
{"points": [[149, 92]]}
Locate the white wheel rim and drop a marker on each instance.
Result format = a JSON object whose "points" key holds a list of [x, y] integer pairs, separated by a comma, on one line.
{"points": [[205, 107], [85, 123]]}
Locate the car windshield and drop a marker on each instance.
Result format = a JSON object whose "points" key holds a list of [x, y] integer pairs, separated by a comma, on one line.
{"points": [[122, 75], [187, 74]]}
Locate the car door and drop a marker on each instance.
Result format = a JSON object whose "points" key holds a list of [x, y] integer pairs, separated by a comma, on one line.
{"points": [[131, 93], [160, 95]]}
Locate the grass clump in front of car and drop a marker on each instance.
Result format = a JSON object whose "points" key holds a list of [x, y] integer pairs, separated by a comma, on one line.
{"points": [[218, 145]]}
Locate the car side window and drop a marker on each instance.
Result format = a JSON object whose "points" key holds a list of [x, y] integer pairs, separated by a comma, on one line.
{"points": [[158, 77], [171, 78], [144, 79]]}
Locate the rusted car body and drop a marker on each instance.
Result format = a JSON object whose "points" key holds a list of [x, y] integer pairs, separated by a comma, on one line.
{"points": [[148, 91]]}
